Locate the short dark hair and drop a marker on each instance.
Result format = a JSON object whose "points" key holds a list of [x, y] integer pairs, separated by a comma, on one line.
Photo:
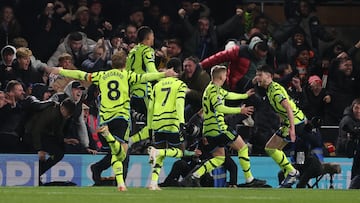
{"points": [[175, 41], [75, 36], [69, 105], [355, 102], [193, 59], [175, 63], [143, 32], [8, 51], [11, 84], [266, 69]]}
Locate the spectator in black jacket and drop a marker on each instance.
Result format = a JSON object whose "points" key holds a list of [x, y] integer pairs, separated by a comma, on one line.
{"points": [[14, 114], [46, 130], [349, 136]]}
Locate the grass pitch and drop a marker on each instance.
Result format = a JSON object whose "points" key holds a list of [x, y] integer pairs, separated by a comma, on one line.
{"points": [[173, 195]]}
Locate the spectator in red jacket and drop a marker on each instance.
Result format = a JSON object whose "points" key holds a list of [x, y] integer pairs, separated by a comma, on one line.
{"points": [[242, 62]]}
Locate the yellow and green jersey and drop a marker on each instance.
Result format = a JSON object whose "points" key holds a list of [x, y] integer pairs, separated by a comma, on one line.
{"points": [[166, 106], [114, 87], [276, 94], [141, 59], [213, 105]]}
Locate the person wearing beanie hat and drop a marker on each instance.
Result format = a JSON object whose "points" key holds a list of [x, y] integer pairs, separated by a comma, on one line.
{"points": [[314, 78]]}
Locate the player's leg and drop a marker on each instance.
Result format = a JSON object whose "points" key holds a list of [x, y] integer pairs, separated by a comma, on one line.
{"points": [[242, 149], [274, 149], [118, 146], [216, 147]]}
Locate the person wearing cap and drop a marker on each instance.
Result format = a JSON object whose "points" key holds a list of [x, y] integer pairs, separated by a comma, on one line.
{"points": [[114, 110], [113, 44], [218, 134], [41, 91], [76, 127], [242, 62], [83, 23], [312, 98]]}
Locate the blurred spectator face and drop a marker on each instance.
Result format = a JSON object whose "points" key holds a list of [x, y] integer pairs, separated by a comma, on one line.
{"points": [[116, 42], [299, 39], [262, 25], [95, 9], [84, 17], [137, 18], [131, 34], [204, 26], [86, 113], [356, 111], [259, 53], [76, 93], [165, 23], [75, 45], [189, 68], [338, 49], [316, 86], [82, 3], [304, 57], [8, 58], [8, 14], [98, 52], [187, 6], [288, 70], [66, 63], [173, 50], [346, 67], [17, 92], [47, 95], [24, 62], [151, 39], [65, 113], [304, 8], [2, 99], [154, 11], [325, 63], [253, 31]]}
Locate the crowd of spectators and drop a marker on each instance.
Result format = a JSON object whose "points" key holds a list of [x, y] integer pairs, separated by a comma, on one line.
{"points": [[80, 35]]}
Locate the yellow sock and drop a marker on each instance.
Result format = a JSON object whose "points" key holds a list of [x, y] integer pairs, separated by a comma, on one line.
{"points": [[171, 152], [156, 170], [280, 158], [143, 134], [117, 167], [209, 165], [243, 155]]}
